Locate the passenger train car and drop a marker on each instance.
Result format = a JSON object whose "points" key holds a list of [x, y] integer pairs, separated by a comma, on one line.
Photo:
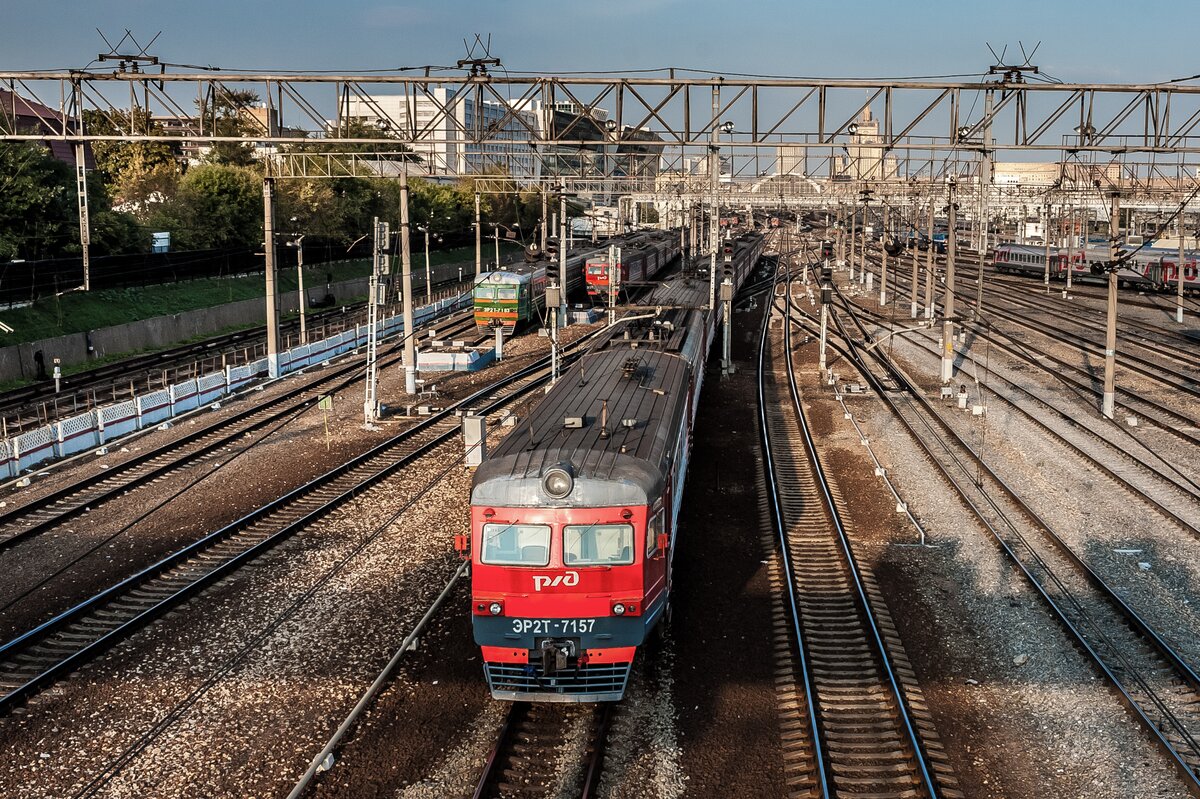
{"points": [[512, 297], [1147, 268], [638, 263], [515, 296], [574, 516]]}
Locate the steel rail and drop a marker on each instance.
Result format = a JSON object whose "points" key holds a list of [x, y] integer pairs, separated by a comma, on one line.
{"points": [[923, 769], [17, 399], [489, 775], [1167, 375], [1188, 492], [94, 625], [1120, 671], [43, 513], [494, 777], [322, 761], [819, 770]]}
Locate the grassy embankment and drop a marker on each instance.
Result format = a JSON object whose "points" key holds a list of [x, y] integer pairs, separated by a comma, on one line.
{"points": [[77, 312]]}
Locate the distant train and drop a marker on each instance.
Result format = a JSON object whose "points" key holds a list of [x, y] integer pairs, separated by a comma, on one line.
{"points": [[1146, 268], [640, 261], [574, 516], [512, 297]]}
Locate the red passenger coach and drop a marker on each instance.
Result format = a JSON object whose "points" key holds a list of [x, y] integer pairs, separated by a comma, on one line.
{"points": [[639, 261], [573, 517]]}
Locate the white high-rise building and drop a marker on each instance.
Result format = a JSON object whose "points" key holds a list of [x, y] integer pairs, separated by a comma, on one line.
{"points": [[444, 139]]}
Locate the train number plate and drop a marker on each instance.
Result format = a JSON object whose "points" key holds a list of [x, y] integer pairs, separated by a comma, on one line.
{"points": [[553, 626]]}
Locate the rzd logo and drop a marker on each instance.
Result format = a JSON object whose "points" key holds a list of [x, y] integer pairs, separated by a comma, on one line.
{"points": [[568, 579]]}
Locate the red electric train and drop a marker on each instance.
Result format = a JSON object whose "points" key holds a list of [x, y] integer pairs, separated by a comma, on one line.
{"points": [[637, 263], [573, 517]]}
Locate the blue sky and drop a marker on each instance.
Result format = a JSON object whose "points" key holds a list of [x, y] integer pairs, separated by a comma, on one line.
{"points": [[1102, 41]]}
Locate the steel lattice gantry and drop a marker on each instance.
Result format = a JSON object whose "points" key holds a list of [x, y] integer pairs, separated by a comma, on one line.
{"points": [[927, 119]]}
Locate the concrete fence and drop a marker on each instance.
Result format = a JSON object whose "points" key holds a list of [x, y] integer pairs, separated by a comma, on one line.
{"points": [[18, 363], [106, 423]]}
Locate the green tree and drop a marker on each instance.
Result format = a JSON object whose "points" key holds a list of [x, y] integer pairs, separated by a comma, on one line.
{"points": [[39, 214], [216, 206], [136, 173], [228, 113], [117, 233], [37, 202]]}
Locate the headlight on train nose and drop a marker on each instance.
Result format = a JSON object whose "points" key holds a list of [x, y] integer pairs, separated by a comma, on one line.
{"points": [[619, 609], [495, 608], [557, 482]]}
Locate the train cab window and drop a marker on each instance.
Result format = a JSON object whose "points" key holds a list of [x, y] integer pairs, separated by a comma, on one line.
{"points": [[485, 292], [597, 545], [652, 531], [516, 545], [507, 292]]}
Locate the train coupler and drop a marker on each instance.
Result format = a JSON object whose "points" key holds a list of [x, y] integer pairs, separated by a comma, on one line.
{"points": [[558, 654]]}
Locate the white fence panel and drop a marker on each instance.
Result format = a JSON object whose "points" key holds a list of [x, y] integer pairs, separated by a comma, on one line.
{"points": [[154, 408], [320, 351], [77, 433], [210, 387], [119, 419], [258, 367], [8, 464], [105, 424], [239, 376], [184, 397], [295, 358], [34, 447]]}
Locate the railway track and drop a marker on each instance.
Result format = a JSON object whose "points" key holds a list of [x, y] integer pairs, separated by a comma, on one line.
{"points": [[525, 759], [1179, 424], [112, 380], [44, 513], [869, 732], [1167, 346], [1127, 466], [38, 657], [1153, 680]]}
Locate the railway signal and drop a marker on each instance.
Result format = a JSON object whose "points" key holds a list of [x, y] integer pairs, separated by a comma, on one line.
{"points": [[380, 235], [826, 299], [1108, 403], [948, 303]]}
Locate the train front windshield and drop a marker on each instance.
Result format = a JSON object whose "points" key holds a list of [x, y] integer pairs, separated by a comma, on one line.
{"points": [[516, 545], [597, 545]]}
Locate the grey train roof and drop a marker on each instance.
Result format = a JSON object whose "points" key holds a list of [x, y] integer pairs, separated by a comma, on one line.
{"points": [[623, 462], [643, 370]]}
